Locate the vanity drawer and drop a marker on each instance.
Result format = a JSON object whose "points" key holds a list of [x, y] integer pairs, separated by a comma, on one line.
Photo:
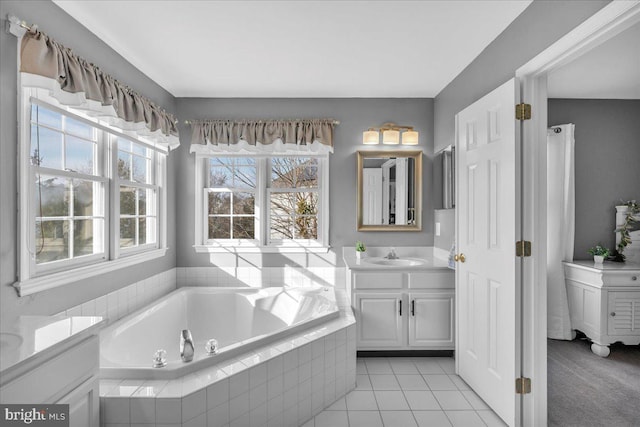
{"points": [[622, 278], [378, 280], [432, 280]]}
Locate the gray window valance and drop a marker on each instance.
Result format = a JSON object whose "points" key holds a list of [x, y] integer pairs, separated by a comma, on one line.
{"points": [[262, 136], [76, 83]]}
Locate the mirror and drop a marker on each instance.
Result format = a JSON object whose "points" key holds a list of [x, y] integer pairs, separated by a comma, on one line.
{"points": [[389, 190]]}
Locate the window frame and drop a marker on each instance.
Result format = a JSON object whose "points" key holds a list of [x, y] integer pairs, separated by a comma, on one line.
{"points": [[262, 243], [33, 277]]}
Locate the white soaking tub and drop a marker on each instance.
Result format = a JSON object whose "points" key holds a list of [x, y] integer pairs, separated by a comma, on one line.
{"points": [[238, 318]]}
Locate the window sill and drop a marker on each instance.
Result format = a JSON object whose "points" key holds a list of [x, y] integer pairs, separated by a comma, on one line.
{"points": [[54, 280], [261, 249]]}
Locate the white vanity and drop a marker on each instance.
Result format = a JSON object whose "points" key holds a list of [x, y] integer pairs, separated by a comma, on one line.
{"points": [[604, 302], [52, 359], [403, 304]]}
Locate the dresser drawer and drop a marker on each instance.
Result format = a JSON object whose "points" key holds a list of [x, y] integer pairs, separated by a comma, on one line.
{"points": [[378, 280], [432, 280]]}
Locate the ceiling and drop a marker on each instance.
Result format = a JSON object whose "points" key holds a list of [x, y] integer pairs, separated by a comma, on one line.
{"points": [[298, 48], [608, 71]]}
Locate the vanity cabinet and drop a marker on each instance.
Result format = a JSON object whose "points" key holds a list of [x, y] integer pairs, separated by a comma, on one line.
{"points": [[403, 310], [604, 302]]}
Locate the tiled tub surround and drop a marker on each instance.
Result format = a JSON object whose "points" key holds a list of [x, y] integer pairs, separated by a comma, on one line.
{"points": [[238, 318], [284, 383]]}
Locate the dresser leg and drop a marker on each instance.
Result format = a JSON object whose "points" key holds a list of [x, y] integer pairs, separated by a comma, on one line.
{"points": [[600, 350]]}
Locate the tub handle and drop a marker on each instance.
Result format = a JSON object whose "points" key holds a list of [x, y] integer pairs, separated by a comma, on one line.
{"points": [[186, 346]]}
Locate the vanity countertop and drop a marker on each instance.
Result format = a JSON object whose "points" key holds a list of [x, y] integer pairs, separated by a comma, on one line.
{"points": [[31, 339], [432, 259], [609, 266]]}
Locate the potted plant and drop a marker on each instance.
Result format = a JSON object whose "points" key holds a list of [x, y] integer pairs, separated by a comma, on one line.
{"points": [[631, 211], [360, 249], [599, 253]]}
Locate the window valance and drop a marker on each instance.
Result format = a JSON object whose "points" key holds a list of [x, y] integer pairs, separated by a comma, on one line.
{"points": [[76, 83], [263, 136]]}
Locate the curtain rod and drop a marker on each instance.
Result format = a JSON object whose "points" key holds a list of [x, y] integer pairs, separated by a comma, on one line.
{"points": [[18, 26], [334, 122]]}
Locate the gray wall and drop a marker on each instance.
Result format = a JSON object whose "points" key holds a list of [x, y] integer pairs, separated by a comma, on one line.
{"points": [[55, 22], [541, 24], [607, 163], [447, 220], [355, 115]]}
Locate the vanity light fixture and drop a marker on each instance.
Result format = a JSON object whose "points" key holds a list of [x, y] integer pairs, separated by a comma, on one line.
{"points": [[392, 134]]}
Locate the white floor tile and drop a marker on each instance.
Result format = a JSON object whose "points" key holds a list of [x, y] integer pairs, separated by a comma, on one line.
{"points": [[392, 400], [384, 382], [361, 368], [431, 419], [361, 401], [439, 382], [491, 419], [332, 419], [428, 367], [403, 367], [459, 382], [465, 419], [412, 382], [365, 419], [474, 400], [421, 400], [338, 405], [398, 419], [363, 382], [452, 400], [378, 366], [448, 365], [309, 423]]}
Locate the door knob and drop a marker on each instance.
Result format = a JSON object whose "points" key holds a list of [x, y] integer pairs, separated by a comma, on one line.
{"points": [[459, 257]]}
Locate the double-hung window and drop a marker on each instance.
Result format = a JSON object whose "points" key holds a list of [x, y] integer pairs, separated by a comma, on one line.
{"points": [[275, 203], [90, 197]]}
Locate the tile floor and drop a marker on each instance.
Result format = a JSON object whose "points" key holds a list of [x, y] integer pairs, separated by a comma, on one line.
{"points": [[407, 392]]}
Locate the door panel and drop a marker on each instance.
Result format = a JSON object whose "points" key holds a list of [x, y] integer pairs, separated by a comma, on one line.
{"points": [[487, 209], [379, 321]]}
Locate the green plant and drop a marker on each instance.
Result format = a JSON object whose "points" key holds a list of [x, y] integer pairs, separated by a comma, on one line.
{"points": [[626, 227], [599, 250], [360, 247]]}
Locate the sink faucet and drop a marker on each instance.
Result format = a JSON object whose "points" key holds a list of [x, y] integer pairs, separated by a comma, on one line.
{"points": [[186, 346], [392, 254]]}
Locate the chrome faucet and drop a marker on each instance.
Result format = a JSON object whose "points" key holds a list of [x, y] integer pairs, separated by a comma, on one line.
{"points": [[392, 254], [186, 346]]}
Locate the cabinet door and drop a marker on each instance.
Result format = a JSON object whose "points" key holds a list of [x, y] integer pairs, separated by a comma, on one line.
{"points": [[379, 320], [624, 313], [83, 404], [431, 318]]}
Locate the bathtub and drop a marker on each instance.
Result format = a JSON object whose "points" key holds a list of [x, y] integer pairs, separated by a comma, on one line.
{"points": [[238, 318]]}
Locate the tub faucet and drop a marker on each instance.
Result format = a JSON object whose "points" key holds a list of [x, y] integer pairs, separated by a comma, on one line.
{"points": [[392, 254], [186, 346]]}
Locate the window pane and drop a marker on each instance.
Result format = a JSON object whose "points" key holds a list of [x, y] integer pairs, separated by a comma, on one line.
{"points": [[306, 227], [52, 241], [142, 202], [306, 203], [127, 200], [240, 161], [220, 177], [142, 231], [219, 227], [82, 198], [52, 196], [244, 177], [140, 169], [243, 227], [139, 150], [282, 203], [219, 203], [243, 203], [46, 117], [79, 155], [124, 144], [124, 165], [281, 228], [294, 172], [127, 232], [48, 151], [82, 237], [78, 128]]}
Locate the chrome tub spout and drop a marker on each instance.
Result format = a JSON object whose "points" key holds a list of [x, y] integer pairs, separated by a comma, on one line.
{"points": [[186, 346]]}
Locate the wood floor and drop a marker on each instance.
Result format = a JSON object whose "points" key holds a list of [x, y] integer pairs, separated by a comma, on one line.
{"points": [[589, 391]]}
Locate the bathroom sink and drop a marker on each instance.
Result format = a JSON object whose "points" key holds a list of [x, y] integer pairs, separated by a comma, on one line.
{"points": [[400, 262]]}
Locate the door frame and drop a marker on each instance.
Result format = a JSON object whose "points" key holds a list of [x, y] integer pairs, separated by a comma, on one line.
{"points": [[609, 21]]}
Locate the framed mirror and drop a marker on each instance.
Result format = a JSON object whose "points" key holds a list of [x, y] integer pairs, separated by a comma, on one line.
{"points": [[389, 190]]}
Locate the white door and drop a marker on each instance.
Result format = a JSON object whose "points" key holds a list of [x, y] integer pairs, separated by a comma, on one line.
{"points": [[487, 274], [402, 190], [379, 320], [372, 196], [431, 320]]}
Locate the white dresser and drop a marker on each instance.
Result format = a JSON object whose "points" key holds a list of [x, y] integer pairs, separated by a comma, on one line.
{"points": [[604, 302]]}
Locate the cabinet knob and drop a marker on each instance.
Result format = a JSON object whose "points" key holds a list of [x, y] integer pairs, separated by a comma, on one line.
{"points": [[634, 278], [459, 257], [613, 314]]}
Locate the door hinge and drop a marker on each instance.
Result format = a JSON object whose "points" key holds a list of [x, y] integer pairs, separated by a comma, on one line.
{"points": [[523, 385], [523, 111], [523, 248]]}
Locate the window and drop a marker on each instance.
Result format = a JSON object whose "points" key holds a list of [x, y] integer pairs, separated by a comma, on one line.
{"points": [[269, 203], [88, 194]]}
